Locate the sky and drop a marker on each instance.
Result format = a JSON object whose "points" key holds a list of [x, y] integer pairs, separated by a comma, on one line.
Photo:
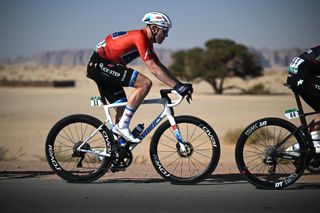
{"points": [[31, 26]]}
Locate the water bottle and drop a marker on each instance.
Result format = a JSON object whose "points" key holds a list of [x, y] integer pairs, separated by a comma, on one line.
{"points": [[137, 130], [122, 141]]}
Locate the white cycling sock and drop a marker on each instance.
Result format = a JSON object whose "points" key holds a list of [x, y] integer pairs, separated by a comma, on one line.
{"points": [[126, 118], [316, 140]]}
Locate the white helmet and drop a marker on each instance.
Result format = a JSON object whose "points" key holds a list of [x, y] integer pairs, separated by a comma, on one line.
{"points": [[157, 18]]}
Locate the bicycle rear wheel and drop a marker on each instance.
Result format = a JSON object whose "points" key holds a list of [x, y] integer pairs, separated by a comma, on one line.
{"points": [[61, 148], [203, 151], [264, 153]]}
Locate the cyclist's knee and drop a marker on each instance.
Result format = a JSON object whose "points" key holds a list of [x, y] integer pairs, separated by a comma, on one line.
{"points": [[148, 84], [143, 82]]}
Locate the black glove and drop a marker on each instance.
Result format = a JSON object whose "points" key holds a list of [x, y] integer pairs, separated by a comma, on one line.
{"points": [[184, 89]]}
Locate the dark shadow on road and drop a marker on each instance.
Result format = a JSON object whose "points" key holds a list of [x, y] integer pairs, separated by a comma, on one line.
{"points": [[218, 179], [215, 179], [303, 186], [24, 174]]}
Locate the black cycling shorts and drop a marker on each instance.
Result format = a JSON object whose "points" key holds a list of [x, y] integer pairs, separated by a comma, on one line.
{"points": [[305, 83], [111, 77]]}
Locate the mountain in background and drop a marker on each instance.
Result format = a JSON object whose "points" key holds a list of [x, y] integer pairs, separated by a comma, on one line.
{"points": [[276, 58], [268, 58]]}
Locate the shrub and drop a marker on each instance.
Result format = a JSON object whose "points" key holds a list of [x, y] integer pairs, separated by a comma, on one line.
{"points": [[232, 135], [257, 89]]}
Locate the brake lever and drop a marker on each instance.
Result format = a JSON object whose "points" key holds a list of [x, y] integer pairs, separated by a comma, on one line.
{"points": [[189, 98]]}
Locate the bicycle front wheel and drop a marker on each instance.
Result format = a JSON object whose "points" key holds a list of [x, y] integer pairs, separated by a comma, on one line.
{"points": [[271, 153], [62, 146], [193, 166]]}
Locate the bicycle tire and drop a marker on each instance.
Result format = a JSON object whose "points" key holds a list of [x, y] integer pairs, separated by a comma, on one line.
{"points": [[202, 158], [255, 161], [61, 144]]}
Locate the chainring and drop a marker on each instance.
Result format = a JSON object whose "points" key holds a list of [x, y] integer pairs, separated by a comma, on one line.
{"points": [[124, 161]]}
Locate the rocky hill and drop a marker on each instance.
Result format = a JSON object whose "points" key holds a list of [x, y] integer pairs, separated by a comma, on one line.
{"points": [[268, 58], [276, 58]]}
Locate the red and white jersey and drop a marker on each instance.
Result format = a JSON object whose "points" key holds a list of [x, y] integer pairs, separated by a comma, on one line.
{"points": [[125, 46]]}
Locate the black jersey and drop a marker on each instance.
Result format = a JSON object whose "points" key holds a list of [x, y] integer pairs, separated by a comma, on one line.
{"points": [[312, 57]]}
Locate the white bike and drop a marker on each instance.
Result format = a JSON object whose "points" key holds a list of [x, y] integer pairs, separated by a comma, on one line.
{"points": [[183, 150]]}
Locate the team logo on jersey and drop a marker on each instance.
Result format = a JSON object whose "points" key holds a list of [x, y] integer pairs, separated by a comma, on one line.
{"points": [[317, 87], [118, 34], [108, 71], [300, 82], [294, 65]]}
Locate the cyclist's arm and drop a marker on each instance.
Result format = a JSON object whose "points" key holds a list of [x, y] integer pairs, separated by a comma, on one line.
{"points": [[161, 72]]}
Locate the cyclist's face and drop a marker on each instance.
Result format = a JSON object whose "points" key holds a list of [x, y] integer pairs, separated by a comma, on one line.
{"points": [[161, 35]]}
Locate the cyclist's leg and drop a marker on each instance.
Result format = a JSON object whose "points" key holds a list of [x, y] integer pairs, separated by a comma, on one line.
{"points": [[310, 93], [142, 87], [315, 104]]}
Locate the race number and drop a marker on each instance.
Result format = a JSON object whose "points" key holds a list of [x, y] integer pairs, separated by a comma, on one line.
{"points": [[95, 101], [292, 113]]}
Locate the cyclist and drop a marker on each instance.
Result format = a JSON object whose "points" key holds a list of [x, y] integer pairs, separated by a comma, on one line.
{"points": [[107, 67], [304, 78]]}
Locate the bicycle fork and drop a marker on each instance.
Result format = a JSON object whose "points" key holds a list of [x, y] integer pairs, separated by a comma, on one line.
{"points": [[176, 133]]}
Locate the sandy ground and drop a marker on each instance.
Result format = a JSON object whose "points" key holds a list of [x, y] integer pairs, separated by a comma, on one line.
{"points": [[27, 114]]}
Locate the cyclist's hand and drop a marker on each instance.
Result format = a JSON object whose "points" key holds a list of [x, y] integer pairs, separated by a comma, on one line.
{"points": [[184, 90]]}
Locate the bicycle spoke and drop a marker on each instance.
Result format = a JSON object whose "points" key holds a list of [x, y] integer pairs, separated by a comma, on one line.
{"points": [[202, 143], [199, 153], [68, 137], [163, 158]]}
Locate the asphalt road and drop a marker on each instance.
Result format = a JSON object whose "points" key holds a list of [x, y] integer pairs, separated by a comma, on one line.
{"points": [[220, 194]]}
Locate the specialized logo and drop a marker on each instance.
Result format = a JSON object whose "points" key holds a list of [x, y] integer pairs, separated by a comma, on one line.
{"points": [[108, 71]]}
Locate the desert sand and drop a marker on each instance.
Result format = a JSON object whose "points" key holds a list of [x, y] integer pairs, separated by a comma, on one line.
{"points": [[27, 114]]}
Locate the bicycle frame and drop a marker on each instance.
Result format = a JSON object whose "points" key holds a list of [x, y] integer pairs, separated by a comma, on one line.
{"points": [[304, 125], [167, 103]]}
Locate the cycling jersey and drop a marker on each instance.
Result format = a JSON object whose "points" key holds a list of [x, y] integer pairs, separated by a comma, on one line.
{"points": [[304, 76], [125, 46], [107, 65]]}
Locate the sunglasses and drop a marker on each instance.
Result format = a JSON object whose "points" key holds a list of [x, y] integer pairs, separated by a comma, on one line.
{"points": [[165, 30]]}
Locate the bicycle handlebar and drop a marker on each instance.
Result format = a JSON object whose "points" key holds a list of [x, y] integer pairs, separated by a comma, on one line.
{"points": [[176, 101], [172, 103]]}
